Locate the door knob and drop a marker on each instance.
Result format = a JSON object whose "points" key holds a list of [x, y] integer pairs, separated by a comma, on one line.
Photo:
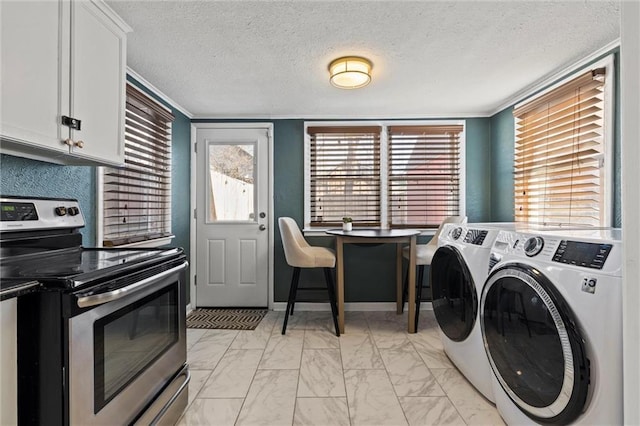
{"points": [[262, 227]]}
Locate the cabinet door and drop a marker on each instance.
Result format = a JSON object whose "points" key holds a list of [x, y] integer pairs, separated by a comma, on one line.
{"points": [[98, 55], [32, 73]]}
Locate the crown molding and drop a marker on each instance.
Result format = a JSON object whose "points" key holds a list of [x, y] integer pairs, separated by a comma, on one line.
{"points": [[343, 117], [107, 10], [554, 76], [158, 92]]}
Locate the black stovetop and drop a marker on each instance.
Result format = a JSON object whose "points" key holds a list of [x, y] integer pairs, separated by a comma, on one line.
{"points": [[75, 267]]}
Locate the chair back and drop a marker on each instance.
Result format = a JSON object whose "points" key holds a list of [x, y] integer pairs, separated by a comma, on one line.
{"points": [[293, 241], [449, 219]]}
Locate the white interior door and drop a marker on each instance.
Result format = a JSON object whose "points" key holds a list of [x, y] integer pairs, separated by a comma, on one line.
{"points": [[232, 217]]}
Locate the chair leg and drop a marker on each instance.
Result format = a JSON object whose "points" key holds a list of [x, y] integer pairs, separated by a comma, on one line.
{"points": [[405, 290], [332, 299], [419, 293], [292, 296], [295, 292]]}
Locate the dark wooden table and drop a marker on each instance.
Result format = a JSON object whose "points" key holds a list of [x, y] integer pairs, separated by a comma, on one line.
{"points": [[400, 237]]}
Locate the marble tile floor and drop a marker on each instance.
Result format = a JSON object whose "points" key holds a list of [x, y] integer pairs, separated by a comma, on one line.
{"points": [[374, 374]]}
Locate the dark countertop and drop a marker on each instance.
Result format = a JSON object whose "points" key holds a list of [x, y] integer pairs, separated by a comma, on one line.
{"points": [[14, 288]]}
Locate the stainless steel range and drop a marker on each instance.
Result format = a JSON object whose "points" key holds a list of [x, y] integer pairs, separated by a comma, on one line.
{"points": [[103, 341]]}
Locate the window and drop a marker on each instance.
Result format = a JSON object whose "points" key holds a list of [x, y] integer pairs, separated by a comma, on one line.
{"points": [[561, 150], [400, 174], [137, 198], [424, 175], [232, 174], [345, 175]]}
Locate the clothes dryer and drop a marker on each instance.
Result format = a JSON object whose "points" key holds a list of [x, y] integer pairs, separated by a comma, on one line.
{"points": [[457, 272], [551, 323]]}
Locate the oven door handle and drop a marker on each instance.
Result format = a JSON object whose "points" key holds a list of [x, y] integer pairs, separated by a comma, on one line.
{"points": [[99, 299]]}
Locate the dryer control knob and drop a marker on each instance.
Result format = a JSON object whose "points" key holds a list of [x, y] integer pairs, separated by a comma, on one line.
{"points": [[533, 246], [456, 232]]}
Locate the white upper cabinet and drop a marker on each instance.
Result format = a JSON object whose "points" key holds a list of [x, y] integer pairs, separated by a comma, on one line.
{"points": [[63, 59], [31, 73]]}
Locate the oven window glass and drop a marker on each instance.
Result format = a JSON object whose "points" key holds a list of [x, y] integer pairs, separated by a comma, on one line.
{"points": [[128, 341]]}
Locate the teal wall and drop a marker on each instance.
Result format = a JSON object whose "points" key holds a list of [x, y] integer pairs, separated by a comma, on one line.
{"points": [[478, 169], [502, 154], [370, 275], [25, 177], [31, 178]]}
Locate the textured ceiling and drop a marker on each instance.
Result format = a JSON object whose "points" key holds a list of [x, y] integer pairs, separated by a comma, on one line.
{"points": [[269, 58]]}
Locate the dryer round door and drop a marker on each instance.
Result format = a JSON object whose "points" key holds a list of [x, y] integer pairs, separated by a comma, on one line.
{"points": [[455, 298], [533, 344]]}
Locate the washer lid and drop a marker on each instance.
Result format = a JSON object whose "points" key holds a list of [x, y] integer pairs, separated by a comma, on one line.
{"points": [[533, 344], [455, 299]]}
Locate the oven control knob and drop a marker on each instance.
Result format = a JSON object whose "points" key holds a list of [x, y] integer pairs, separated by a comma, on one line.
{"points": [[533, 246], [61, 211], [73, 211]]}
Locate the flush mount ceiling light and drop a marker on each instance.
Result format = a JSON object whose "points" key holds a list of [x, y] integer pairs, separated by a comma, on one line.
{"points": [[350, 72]]}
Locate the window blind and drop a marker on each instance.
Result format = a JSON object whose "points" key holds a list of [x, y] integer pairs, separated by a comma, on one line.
{"points": [[137, 198], [344, 175], [559, 148], [424, 175]]}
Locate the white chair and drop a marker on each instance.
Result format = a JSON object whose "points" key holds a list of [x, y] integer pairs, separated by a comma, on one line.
{"points": [[300, 254], [424, 254]]}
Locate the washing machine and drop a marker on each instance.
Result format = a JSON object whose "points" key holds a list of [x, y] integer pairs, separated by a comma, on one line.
{"points": [[457, 272], [551, 323]]}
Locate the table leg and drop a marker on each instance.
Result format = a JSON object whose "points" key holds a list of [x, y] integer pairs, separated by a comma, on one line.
{"points": [[412, 286], [340, 280], [399, 278]]}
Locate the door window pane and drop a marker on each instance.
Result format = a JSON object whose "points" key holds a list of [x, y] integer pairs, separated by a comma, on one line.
{"points": [[231, 182]]}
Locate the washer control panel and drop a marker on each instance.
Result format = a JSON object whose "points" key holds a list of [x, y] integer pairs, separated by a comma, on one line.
{"points": [[533, 246], [598, 251], [456, 232], [589, 255], [475, 236]]}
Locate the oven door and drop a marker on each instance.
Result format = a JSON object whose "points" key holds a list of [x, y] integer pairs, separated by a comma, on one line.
{"points": [[127, 349]]}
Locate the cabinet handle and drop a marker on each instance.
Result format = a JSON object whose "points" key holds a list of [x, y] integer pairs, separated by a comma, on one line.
{"points": [[68, 142], [80, 144]]}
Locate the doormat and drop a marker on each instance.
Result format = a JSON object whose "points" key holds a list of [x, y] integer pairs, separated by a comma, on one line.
{"points": [[226, 319]]}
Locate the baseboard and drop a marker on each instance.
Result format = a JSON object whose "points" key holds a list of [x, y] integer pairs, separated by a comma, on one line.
{"points": [[349, 307]]}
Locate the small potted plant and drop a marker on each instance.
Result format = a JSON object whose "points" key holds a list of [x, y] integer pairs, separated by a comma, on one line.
{"points": [[347, 223]]}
